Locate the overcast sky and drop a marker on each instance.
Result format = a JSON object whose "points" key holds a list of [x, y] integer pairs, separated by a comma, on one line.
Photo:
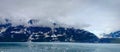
{"points": [[96, 16]]}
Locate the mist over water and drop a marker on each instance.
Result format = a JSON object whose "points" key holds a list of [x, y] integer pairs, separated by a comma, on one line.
{"points": [[96, 16]]}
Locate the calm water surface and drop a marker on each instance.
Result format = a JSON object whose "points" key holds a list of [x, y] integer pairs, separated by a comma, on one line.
{"points": [[57, 47]]}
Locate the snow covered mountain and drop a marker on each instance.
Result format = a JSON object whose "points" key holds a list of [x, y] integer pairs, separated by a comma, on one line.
{"points": [[113, 37], [22, 33]]}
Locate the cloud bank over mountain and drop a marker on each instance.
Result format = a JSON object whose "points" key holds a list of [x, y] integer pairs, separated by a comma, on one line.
{"points": [[97, 16]]}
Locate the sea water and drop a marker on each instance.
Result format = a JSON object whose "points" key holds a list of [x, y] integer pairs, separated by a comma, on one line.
{"points": [[57, 47]]}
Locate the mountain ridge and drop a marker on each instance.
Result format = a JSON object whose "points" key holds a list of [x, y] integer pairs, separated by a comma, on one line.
{"points": [[21, 33]]}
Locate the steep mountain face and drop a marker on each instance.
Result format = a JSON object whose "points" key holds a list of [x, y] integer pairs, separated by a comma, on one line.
{"points": [[21, 33]]}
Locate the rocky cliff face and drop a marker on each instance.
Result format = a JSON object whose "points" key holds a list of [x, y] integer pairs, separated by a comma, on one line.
{"points": [[52, 33]]}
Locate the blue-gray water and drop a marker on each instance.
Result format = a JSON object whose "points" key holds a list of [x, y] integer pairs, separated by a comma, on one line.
{"points": [[58, 47]]}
